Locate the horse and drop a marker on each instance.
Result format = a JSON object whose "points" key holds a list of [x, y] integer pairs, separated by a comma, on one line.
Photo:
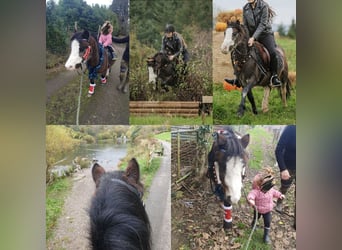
{"points": [[227, 161], [118, 219], [251, 66], [86, 49], [160, 68]]}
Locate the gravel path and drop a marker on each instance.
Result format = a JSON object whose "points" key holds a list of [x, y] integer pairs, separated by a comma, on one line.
{"points": [[158, 203]]}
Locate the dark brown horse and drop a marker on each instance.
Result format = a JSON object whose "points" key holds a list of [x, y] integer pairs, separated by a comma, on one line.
{"points": [[251, 66], [86, 49], [118, 219], [162, 70]]}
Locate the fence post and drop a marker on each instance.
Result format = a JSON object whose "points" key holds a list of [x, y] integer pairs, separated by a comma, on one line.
{"points": [[178, 154]]}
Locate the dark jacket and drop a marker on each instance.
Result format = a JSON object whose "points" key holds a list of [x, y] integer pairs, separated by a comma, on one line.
{"points": [[125, 39], [286, 149], [172, 45], [257, 20]]}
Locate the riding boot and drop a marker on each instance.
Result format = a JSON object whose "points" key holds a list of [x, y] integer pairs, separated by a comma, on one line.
{"points": [[266, 237], [275, 82]]}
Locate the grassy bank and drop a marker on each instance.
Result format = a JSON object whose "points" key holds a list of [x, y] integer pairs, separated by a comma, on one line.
{"points": [[56, 194], [167, 120]]}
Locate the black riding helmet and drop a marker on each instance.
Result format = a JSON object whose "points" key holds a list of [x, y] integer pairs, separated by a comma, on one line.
{"points": [[169, 28]]}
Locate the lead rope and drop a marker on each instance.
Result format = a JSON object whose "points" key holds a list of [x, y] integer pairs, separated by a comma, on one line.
{"points": [[79, 101], [255, 222]]}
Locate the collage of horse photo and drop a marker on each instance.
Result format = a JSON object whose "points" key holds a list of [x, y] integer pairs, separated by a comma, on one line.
{"points": [[170, 124]]}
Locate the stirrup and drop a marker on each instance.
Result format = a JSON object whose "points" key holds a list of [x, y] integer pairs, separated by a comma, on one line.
{"points": [[275, 85]]}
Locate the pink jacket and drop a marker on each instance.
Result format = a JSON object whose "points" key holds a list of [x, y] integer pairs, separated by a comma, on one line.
{"points": [[105, 40], [263, 201]]}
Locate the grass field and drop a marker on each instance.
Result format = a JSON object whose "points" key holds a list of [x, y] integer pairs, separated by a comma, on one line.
{"points": [[226, 103], [169, 120]]}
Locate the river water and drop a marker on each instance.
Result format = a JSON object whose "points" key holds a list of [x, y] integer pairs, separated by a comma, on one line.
{"points": [[108, 155]]}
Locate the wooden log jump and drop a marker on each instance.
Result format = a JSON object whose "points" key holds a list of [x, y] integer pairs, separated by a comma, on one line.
{"points": [[167, 108]]}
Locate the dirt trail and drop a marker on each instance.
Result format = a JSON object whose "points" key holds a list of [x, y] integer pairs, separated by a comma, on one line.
{"points": [[158, 210], [221, 62], [108, 105], [72, 227]]}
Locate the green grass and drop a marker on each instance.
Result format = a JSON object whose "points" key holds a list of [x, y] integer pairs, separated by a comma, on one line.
{"points": [[226, 105], [55, 197], [256, 242], [166, 136], [260, 138], [167, 120]]}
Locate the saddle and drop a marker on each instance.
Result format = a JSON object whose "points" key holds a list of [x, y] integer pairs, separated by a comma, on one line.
{"points": [[264, 55]]}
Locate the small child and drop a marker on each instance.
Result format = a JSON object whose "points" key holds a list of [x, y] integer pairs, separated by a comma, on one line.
{"points": [[106, 38], [261, 198]]}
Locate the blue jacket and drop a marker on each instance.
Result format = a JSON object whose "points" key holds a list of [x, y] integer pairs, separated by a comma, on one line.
{"points": [[286, 149]]}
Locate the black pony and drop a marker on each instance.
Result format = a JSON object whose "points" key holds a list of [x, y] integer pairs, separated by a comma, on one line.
{"points": [[251, 66], [162, 70], [118, 219]]}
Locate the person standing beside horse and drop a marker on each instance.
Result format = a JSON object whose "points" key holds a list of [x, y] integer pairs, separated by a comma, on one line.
{"points": [[173, 45], [286, 157], [257, 17], [106, 38]]}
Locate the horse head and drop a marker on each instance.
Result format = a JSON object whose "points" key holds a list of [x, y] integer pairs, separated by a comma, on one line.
{"points": [[117, 215], [159, 66], [230, 160], [81, 49], [230, 36]]}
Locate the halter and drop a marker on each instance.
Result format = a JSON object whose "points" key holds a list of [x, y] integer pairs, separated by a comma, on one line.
{"points": [[130, 187], [86, 54]]}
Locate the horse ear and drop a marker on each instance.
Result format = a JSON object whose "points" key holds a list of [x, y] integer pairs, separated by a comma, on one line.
{"points": [[245, 140], [97, 171], [85, 34], [132, 170]]}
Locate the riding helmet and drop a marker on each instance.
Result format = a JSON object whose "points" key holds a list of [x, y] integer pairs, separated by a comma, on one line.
{"points": [[169, 28]]}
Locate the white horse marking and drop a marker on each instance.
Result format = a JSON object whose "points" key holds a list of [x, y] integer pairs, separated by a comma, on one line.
{"points": [[74, 57], [228, 41], [234, 170], [152, 77]]}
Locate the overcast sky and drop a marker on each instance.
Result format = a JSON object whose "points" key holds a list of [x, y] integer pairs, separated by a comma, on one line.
{"points": [[285, 9]]}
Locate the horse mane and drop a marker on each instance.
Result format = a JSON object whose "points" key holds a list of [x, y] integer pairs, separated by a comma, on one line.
{"points": [[232, 146], [118, 219]]}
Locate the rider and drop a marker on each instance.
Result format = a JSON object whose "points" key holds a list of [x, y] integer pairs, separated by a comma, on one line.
{"points": [[173, 45], [257, 16], [106, 38]]}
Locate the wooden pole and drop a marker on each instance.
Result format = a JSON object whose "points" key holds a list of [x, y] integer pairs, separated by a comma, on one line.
{"points": [[178, 154]]}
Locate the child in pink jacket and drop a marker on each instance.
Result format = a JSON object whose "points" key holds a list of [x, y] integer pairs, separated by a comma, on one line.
{"points": [[261, 198], [106, 38]]}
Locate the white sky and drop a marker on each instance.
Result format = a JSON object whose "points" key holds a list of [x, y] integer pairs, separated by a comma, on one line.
{"points": [[91, 2], [285, 9]]}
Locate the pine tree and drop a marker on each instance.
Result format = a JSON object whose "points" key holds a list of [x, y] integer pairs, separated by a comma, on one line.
{"points": [[292, 30]]}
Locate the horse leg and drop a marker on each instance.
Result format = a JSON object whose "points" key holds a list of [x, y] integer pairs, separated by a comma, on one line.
{"points": [[252, 101], [242, 106], [228, 220], [265, 99]]}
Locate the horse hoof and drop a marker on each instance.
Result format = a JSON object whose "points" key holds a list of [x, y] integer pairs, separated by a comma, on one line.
{"points": [[255, 112]]}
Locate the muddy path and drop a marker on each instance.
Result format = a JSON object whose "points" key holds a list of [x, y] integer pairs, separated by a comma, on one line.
{"points": [[72, 228], [107, 106]]}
